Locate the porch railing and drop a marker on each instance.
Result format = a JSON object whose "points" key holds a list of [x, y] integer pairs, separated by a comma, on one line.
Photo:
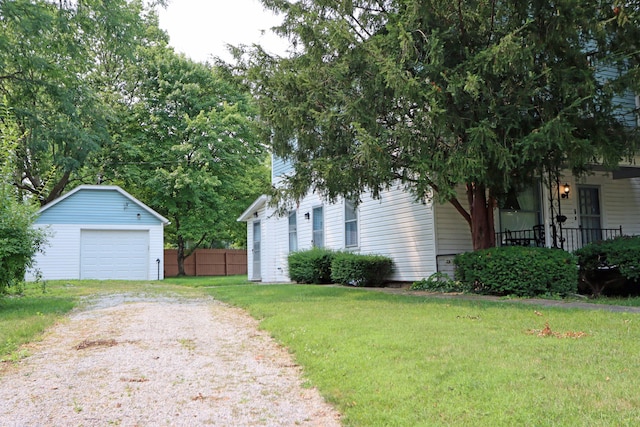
{"points": [[575, 238], [567, 238]]}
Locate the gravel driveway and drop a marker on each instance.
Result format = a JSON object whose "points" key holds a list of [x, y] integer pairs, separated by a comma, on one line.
{"points": [[159, 362]]}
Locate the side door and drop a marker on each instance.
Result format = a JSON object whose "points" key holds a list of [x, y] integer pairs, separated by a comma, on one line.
{"points": [[256, 274]]}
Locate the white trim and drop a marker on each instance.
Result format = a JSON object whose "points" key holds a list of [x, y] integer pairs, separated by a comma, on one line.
{"points": [[255, 206]]}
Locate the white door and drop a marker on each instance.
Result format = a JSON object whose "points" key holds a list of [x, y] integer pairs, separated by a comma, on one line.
{"points": [[257, 239], [114, 254]]}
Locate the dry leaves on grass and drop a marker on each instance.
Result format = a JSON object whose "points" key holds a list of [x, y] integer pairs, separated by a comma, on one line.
{"points": [[547, 332]]}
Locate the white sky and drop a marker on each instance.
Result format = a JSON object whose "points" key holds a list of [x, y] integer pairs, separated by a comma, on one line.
{"points": [[202, 28]]}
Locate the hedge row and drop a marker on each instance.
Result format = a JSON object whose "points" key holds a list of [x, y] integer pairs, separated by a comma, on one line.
{"points": [[325, 266], [516, 270]]}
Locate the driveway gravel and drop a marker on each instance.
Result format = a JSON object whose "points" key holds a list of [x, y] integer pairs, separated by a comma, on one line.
{"points": [[159, 362]]}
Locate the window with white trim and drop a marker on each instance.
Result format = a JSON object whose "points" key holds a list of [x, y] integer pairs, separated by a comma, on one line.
{"points": [[318, 227], [293, 231], [350, 224]]}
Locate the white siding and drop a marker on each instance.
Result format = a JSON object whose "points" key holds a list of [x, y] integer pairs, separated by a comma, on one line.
{"points": [[619, 202], [395, 226], [453, 234], [400, 228], [61, 257]]}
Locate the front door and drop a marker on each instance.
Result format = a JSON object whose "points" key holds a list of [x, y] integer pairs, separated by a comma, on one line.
{"points": [[257, 237], [590, 221]]}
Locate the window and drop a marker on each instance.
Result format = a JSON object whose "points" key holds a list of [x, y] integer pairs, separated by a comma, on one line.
{"points": [[350, 224], [293, 231], [521, 210], [318, 227]]}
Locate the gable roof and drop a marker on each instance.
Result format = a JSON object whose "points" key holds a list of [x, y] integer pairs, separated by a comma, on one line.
{"points": [[128, 196], [257, 204]]}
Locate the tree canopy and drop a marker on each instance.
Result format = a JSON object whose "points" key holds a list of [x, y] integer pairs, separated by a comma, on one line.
{"points": [[487, 94], [61, 64], [189, 147]]}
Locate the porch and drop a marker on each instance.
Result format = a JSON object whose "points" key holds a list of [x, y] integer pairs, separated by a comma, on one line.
{"points": [[567, 238]]}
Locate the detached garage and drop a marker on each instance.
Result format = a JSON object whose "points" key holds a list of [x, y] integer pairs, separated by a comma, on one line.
{"points": [[100, 232]]}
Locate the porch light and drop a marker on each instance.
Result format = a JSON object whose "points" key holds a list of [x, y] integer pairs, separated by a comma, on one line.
{"points": [[566, 189], [307, 216]]}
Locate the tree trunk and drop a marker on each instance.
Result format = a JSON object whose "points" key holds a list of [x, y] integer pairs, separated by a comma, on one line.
{"points": [[180, 256], [481, 212]]}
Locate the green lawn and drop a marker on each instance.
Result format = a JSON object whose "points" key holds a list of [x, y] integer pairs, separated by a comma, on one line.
{"points": [[398, 360], [389, 360]]}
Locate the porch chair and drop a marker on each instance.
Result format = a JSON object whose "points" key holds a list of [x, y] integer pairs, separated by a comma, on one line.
{"points": [[538, 235]]}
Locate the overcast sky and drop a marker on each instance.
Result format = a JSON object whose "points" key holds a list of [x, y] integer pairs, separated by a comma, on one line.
{"points": [[202, 28]]}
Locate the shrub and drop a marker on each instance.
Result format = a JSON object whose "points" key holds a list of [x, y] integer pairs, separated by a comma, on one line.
{"points": [[311, 266], [439, 282], [608, 265], [516, 270], [360, 270]]}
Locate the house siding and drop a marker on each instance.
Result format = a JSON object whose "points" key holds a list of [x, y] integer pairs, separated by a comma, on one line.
{"points": [[400, 228], [97, 207], [394, 226], [619, 200], [280, 167], [61, 256]]}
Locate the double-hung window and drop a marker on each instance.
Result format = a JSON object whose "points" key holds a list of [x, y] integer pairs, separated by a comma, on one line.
{"points": [[350, 224], [293, 231], [318, 227]]}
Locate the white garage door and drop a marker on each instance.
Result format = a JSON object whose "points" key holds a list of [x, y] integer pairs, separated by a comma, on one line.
{"points": [[114, 254]]}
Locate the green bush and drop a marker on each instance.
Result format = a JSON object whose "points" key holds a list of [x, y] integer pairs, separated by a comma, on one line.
{"points": [[311, 266], [19, 243], [609, 265], [439, 282], [360, 270], [516, 270]]}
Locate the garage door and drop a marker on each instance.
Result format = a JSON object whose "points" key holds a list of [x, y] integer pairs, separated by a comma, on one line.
{"points": [[114, 254]]}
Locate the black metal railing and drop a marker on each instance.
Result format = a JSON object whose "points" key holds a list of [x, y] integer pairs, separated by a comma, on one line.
{"points": [[575, 238], [569, 239], [516, 238]]}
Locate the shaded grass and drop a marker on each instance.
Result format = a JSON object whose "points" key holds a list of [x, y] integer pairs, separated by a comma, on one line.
{"points": [[405, 360], [24, 318]]}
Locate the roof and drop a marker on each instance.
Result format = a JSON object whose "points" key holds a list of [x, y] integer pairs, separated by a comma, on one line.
{"points": [[128, 196], [255, 206]]}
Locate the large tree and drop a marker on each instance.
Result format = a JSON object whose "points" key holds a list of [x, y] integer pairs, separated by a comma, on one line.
{"points": [[486, 94], [61, 64], [189, 149]]}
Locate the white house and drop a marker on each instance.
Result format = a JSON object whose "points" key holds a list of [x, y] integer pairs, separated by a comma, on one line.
{"points": [[100, 232], [423, 237]]}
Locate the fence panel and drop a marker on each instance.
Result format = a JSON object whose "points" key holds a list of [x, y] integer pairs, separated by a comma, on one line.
{"points": [[207, 262]]}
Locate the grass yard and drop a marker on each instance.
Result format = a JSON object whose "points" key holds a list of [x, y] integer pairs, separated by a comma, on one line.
{"points": [[390, 360], [398, 360]]}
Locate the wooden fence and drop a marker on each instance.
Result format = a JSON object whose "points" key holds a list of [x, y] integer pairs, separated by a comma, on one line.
{"points": [[207, 262]]}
